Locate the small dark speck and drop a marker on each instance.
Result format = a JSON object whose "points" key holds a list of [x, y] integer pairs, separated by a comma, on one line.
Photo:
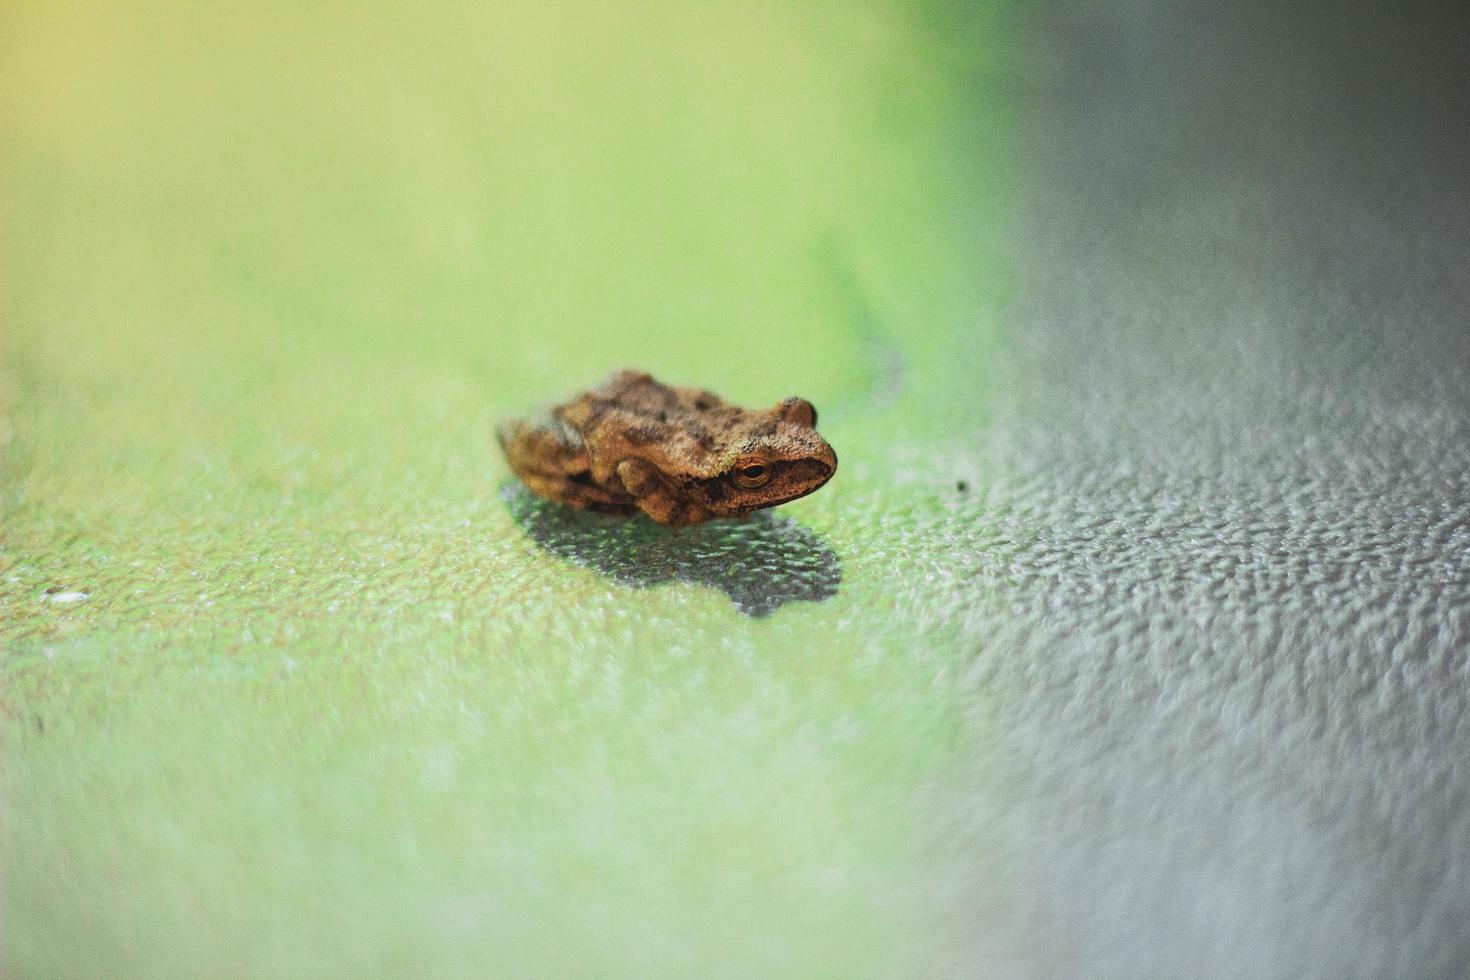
{"points": [[663, 416], [961, 486], [53, 589]]}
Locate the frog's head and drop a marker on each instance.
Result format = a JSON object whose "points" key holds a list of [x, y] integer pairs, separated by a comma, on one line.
{"points": [[775, 458]]}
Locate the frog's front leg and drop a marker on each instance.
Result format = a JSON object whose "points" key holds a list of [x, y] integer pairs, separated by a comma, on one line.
{"points": [[654, 496]]}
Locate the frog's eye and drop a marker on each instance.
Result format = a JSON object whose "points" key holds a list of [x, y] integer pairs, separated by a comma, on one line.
{"points": [[751, 475]]}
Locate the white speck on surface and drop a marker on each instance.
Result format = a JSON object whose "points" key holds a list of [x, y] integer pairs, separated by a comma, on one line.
{"points": [[67, 598]]}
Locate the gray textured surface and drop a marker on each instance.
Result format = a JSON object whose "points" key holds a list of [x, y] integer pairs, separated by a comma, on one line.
{"points": [[1230, 532]]}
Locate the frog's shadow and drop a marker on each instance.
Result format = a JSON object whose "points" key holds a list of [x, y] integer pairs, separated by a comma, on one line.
{"points": [[761, 562]]}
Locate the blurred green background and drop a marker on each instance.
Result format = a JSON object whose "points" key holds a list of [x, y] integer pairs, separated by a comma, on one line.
{"points": [[287, 689]]}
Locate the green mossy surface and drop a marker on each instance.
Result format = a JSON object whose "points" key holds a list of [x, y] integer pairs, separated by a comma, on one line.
{"points": [[289, 687]]}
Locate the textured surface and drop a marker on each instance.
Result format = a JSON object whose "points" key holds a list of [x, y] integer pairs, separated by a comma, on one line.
{"points": [[1232, 547], [1129, 642]]}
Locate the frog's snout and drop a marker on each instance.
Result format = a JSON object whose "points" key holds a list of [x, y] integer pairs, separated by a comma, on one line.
{"points": [[828, 458]]}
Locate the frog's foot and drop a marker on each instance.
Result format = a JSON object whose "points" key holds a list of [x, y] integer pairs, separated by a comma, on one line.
{"points": [[576, 491], [549, 457]]}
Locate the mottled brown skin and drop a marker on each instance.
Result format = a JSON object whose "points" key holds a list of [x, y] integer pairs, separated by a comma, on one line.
{"points": [[680, 455]]}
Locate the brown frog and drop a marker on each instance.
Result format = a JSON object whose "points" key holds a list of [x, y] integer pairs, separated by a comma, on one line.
{"points": [[680, 455]]}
